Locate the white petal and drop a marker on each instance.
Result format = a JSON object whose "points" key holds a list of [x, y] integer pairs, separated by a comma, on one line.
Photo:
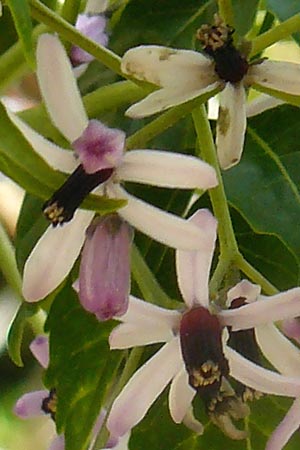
{"points": [[141, 312], [180, 396], [56, 157], [262, 103], [164, 227], [143, 388], [278, 75], [281, 353], [30, 404], [286, 428], [129, 335], [231, 125], [166, 169], [53, 256], [267, 309], [39, 347], [58, 443], [59, 88], [169, 67], [164, 98], [193, 267], [260, 379], [244, 289]]}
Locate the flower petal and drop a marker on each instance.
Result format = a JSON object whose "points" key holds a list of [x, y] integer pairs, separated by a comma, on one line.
{"points": [[56, 157], [231, 125], [169, 67], [281, 353], [291, 328], [39, 347], [59, 88], [164, 98], [193, 267], [260, 379], [166, 169], [53, 256], [30, 404], [58, 443], [286, 428], [267, 309], [278, 75], [143, 388], [129, 335], [164, 227], [262, 103], [180, 396], [244, 289]]}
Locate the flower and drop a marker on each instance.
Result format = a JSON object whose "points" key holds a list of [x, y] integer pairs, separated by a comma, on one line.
{"points": [[193, 358], [37, 403], [99, 160], [184, 74]]}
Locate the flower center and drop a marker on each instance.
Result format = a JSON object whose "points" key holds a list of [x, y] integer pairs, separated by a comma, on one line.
{"points": [[60, 208], [217, 42], [50, 403]]}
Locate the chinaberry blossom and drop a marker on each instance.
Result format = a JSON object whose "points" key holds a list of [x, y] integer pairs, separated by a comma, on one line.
{"points": [[184, 74], [195, 358], [98, 163]]}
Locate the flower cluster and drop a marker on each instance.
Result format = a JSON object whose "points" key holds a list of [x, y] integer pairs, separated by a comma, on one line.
{"points": [[212, 348]]}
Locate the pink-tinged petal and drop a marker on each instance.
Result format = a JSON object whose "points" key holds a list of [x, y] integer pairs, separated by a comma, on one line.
{"points": [[169, 67], [104, 274], [164, 227], [30, 405], [286, 428], [93, 27], [143, 388], [262, 103], [118, 443], [268, 309], [180, 396], [260, 379], [165, 98], [99, 147], [148, 314], [53, 256], [58, 443], [231, 125], [278, 75], [129, 335], [281, 353], [166, 169], [59, 89], [245, 289], [291, 328], [39, 347], [193, 267], [56, 157]]}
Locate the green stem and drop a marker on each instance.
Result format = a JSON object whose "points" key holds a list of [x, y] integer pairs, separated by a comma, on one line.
{"points": [[255, 275], [8, 263], [228, 244], [226, 11], [281, 31], [43, 14]]}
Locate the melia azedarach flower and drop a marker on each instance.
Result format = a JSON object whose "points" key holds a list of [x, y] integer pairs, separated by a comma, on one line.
{"points": [[195, 357], [43, 402], [184, 74], [98, 161]]}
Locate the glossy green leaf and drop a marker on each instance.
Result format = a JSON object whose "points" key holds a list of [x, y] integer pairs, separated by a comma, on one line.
{"points": [[82, 368], [244, 15], [22, 19]]}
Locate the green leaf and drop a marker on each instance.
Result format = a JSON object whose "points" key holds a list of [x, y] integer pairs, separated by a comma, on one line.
{"points": [[244, 15], [173, 23], [82, 368], [16, 331], [264, 187], [284, 9], [21, 15]]}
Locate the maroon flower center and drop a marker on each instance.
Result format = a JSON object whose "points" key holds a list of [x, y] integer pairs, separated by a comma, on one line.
{"points": [[50, 403]]}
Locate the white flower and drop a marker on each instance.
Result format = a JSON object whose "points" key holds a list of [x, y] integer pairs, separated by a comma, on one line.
{"points": [[193, 354], [184, 74], [55, 253]]}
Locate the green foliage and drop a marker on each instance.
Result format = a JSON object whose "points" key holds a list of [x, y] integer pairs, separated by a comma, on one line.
{"points": [[244, 15]]}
